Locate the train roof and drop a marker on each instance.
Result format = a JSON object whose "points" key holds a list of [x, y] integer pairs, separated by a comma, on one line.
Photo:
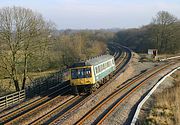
{"points": [[93, 61], [98, 60]]}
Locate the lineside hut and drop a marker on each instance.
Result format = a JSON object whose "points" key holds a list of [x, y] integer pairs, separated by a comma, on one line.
{"points": [[153, 53]]}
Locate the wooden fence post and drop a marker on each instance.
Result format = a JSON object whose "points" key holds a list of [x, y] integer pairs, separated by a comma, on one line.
{"points": [[6, 102], [19, 96]]}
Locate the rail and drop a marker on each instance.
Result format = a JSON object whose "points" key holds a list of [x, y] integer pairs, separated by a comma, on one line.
{"points": [[11, 99], [135, 118], [174, 57], [119, 101]]}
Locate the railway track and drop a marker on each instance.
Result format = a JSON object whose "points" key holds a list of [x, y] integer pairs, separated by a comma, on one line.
{"points": [[74, 106], [122, 62], [60, 111], [9, 116], [41, 109], [32, 108], [119, 101], [120, 94]]}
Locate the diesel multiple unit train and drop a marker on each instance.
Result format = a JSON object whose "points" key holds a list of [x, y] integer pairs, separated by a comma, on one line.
{"points": [[88, 75]]}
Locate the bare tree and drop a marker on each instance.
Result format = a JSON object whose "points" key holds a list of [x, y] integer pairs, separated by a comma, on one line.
{"points": [[22, 31], [163, 29]]}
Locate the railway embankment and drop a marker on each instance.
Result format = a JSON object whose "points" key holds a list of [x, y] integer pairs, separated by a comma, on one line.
{"points": [[126, 111], [163, 107]]}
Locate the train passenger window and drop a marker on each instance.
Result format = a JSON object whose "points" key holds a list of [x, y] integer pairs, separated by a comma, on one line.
{"points": [[104, 66], [96, 69], [112, 61], [108, 64]]}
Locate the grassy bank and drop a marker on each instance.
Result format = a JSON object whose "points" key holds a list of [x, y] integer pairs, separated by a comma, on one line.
{"points": [[7, 87], [166, 109]]}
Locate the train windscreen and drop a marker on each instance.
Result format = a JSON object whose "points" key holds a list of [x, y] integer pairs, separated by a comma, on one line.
{"points": [[81, 73]]}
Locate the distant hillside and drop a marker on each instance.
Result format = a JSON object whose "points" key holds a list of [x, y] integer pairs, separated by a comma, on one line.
{"points": [[113, 30]]}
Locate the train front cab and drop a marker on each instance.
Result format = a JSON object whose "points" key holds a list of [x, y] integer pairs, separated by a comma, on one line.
{"points": [[82, 79]]}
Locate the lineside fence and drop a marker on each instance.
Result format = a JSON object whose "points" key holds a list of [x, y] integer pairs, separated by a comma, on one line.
{"points": [[11, 99], [43, 84], [37, 87]]}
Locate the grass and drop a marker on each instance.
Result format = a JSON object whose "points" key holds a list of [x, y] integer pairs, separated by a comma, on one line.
{"points": [[6, 85], [166, 110]]}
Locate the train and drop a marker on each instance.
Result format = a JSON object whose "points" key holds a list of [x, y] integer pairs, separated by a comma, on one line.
{"points": [[87, 76]]}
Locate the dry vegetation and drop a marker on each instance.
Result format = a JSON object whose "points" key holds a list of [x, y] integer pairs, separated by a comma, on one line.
{"points": [[166, 110]]}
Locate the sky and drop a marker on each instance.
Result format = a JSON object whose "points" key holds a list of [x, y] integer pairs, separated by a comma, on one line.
{"points": [[96, 14]]}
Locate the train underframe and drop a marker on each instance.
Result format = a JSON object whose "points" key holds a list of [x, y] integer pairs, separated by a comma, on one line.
{"points": [[90, 88]]}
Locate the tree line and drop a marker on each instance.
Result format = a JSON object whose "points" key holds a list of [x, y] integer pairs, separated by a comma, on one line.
{"points": [[29, 43], [162, 33]]}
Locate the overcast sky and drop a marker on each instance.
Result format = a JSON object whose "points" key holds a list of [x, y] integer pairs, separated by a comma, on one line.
{"points": [[95, 14]]}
